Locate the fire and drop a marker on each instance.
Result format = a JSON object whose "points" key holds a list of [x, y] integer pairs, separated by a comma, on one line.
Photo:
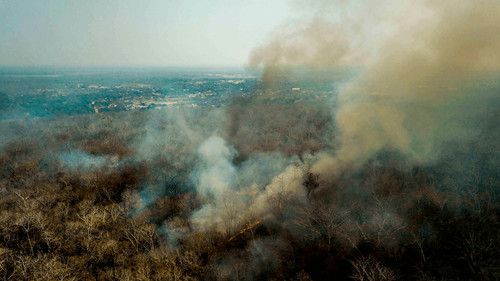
{"points": [[245, 229]]}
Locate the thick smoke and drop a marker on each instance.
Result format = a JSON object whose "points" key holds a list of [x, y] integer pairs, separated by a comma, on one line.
{"points": [[217, 175], [423, 81], [302, 45], [236, 195], [423, 84], [214, 178]]}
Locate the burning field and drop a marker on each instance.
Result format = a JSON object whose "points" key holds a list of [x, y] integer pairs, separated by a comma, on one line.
{"points": [[392, 174]]}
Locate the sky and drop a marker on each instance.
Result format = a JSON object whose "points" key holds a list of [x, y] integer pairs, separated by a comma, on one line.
{"points": [[185, 33]]}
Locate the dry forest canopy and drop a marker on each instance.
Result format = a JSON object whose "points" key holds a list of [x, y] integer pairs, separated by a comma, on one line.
{"points": [[232, 192], [359, 146]]}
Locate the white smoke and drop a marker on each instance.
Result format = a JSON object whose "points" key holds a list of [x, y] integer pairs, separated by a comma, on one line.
{"points": [[235, 196], [216, 174]]}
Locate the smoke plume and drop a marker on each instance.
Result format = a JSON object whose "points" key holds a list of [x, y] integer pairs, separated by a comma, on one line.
{"points": [[236, 195], [424, 80]]}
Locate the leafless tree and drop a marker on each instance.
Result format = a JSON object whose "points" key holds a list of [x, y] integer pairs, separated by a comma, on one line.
{"points": [[370, 269]]}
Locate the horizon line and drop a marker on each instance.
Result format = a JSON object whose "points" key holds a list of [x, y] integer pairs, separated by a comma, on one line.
{"points": [[124, 66]]}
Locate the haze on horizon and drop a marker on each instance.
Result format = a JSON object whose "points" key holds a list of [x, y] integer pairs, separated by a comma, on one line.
{"points": [[135, 33]]}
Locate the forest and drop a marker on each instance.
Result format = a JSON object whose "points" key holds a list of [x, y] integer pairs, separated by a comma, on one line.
{"points": [[366, 149], [189, 195]]}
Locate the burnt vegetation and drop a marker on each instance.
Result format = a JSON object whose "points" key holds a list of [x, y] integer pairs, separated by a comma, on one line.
{"points": [[128, 215]]}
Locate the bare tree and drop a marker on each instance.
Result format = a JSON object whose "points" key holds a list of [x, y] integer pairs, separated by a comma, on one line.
{"points": [[370, 269]]}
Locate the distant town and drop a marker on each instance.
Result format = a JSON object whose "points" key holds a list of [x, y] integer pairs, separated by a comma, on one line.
{"points": [[69, 94]]}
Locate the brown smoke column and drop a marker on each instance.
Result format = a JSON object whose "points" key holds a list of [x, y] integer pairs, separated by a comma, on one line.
{"points": [[417, 78]]}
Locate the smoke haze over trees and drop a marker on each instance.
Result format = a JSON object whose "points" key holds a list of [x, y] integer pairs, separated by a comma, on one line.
{"points": [[367, 149]]}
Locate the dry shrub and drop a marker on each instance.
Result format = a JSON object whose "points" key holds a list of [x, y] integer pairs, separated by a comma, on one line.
{"points": [[107, 146], [370, 269]]}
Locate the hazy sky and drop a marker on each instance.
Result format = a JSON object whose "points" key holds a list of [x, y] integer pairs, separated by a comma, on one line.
{"points": [[134, 32]]}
